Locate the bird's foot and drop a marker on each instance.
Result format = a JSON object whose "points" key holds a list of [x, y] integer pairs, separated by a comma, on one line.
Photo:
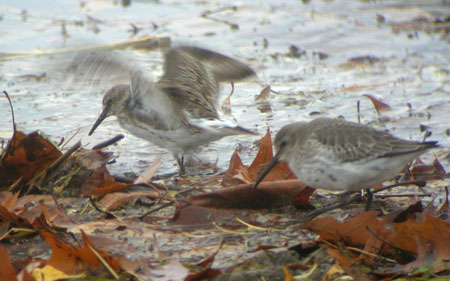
{"points": [[369, 196]]}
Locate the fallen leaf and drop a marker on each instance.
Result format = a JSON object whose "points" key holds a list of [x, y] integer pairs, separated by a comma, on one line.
{"points": [[379, 105], [174, 270], [445, 208], [267, 195], [424, 235], [264, 107], [74, 260], [428, 172], [6, 217], [238, 173], [410, 231], [49, 273], [358, 88], [352, 232], [8, 200], [264, 93], [84, 172], [7, 271], [287, 274], [224, 205], [26, 155], [149, 172], [112, 200], [207, 273], [349, 264], [198, 216], [100, 191], [430, 253]]}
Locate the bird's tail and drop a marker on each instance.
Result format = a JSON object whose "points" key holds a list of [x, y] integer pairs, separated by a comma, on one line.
{"points": [[221, 127], [430, 144], [238, 130], [412, 147]]}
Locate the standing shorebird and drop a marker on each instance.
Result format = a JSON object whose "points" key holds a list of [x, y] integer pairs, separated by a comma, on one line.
{"points": [[180, 111], [335, 154]]}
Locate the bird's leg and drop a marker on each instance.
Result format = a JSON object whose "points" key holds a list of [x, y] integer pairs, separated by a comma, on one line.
{"points": [[345, 194], [315, 213], [355, 197], [180, 161], [369, 195]]}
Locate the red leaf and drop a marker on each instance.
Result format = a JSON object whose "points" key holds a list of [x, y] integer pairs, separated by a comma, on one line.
{"points": [[379, 105]]}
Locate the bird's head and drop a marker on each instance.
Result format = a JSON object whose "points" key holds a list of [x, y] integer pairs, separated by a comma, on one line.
{"points": [[114, 101]]}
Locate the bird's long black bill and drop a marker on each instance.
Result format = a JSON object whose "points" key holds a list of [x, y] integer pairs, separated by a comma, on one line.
{"points": [[100, 119], [264, 173]]}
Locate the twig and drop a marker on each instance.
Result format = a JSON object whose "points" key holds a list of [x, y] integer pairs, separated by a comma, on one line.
{"points": [[157, 209], [419, 183], [134, 29], [123, 179], [318, 212], [15, 229], [140, 42], [13, 139], [209, 235], [207, 15], [358, 111], [103, 261], [275, 92], [257, 227], [61, 141], [165, 176], [396, 249], [370, 254], [71, 137], [404, 195], [230, 231], [157, 247], [58, 206], [108, 214], [378, 237], [63, 158], [108, 142], [218, 10], [356, 197], [307, 275], [12, 111], [48, 172]]}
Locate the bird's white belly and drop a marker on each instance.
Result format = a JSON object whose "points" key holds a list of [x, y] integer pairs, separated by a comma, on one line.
{"points": [[178, 141], [348, 176]]}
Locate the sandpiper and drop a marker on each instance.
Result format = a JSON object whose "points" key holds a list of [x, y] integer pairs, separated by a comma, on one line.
{"points": [[180, 111], [335, 154]]}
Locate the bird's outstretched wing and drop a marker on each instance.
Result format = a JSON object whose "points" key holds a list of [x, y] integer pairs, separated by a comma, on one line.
{"points": [[103, 68], [222, 67], [191, 77]]}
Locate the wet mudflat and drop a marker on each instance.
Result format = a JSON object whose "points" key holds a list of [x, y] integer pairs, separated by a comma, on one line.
{"points": [[320, 58]]}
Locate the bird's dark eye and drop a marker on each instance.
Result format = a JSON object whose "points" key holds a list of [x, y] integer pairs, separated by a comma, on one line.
{"points": [[283, 143]]}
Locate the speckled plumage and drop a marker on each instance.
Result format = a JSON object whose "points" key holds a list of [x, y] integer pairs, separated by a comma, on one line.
{"points": [[335, 154], [180, 111]]}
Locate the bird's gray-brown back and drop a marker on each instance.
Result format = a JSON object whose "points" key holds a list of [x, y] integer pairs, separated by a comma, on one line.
{"points": [[350, 142]]}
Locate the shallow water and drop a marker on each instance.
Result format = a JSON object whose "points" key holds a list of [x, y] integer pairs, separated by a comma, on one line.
{"points": [[403, 58]]}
